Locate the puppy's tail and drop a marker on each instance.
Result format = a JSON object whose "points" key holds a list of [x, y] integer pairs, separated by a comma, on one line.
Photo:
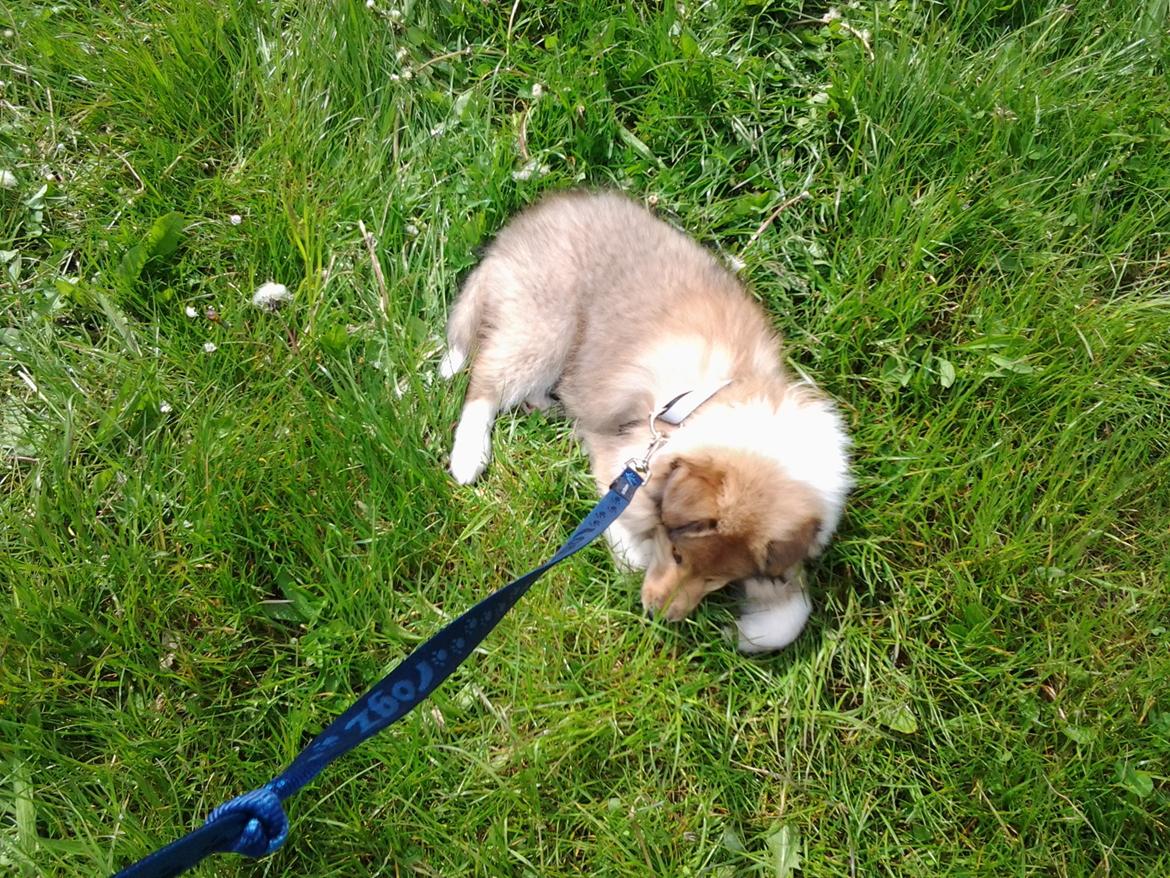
{"points": [[463, 326]]}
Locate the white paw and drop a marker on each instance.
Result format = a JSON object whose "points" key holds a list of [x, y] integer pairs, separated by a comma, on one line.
{"points": [[473, 442], [452, 362], [774, 613], [470, 455]]}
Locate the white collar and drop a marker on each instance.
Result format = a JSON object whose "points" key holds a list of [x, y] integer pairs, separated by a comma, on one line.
{"points": [[683, 406], [674, 413]]}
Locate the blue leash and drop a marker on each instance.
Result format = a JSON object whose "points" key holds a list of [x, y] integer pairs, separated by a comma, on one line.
{"points": [[255, 824]]}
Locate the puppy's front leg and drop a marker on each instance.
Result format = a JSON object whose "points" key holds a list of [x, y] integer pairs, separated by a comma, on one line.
{"points": [[774, 613], [630, 551]]}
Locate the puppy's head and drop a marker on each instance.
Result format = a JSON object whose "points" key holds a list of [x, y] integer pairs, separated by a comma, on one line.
{"points": [[724, 515]]}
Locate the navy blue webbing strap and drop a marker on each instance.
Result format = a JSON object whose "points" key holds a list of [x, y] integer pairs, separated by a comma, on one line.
{"points": [[255, 824]]}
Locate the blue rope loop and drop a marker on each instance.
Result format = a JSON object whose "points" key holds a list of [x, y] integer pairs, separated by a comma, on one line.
{"points": [[267, 825]]}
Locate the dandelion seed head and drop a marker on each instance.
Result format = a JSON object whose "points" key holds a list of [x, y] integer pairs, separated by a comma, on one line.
{"points": [[271, 296]]}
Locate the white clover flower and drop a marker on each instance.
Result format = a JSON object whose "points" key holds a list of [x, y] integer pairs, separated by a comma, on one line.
{"points": [[164, 407], [369, 4], [537, 91], [532, 168], [209, 347], [190, 312], [271, 296], [235, 219]]}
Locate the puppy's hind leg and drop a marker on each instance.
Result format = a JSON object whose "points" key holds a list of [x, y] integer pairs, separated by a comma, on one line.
{"points": [[453, 360], [496, 385], [473, 435], [463, 325], [516, 358]]}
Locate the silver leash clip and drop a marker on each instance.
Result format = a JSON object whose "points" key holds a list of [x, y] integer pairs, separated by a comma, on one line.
{"points": [[642, 465], [674, 413]]}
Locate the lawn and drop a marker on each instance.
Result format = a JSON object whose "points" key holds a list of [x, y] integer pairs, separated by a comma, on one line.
{"points": [[219, 525]]}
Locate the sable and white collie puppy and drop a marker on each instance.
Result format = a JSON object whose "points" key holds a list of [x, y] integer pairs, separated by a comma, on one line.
{"points": [[589, 300]]}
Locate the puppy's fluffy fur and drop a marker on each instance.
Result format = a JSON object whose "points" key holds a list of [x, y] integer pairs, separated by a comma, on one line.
{"points": [[592, 298]]}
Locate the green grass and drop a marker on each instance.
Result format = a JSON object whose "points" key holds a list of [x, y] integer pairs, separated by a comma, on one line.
{"points": [[205, 556]]}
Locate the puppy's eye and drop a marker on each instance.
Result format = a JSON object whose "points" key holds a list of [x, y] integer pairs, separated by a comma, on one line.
{"points": [[674, 553]]}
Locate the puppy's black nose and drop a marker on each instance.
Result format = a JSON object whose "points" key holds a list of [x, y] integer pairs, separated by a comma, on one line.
{"points": [[650, 612]]}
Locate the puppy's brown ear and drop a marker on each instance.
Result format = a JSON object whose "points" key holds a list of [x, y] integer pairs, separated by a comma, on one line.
{"points": [[783, 554], [690, 498]]}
